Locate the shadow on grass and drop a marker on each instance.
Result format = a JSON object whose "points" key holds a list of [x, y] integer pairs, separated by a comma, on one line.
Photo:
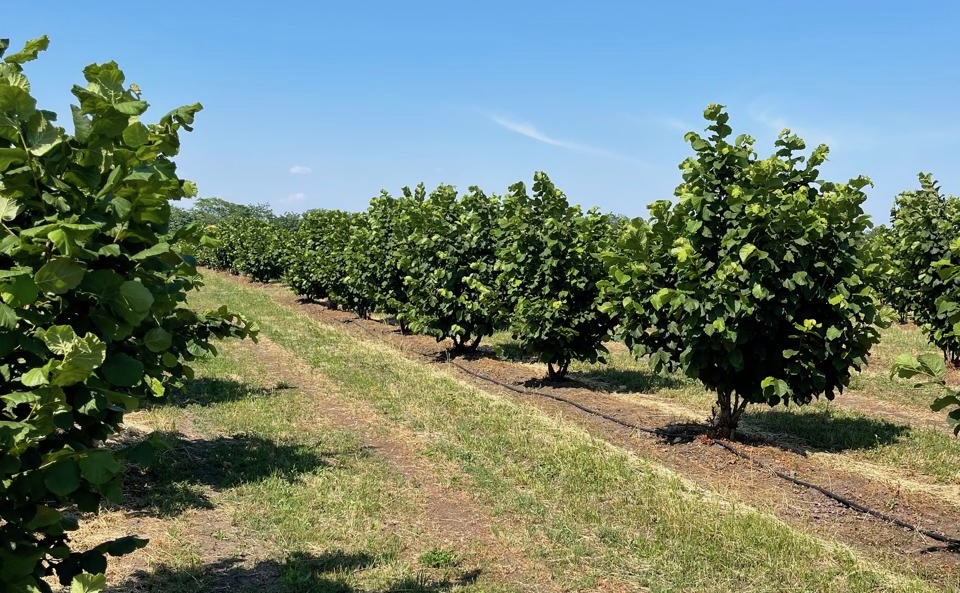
{"points": [[601, 379], [825, 430], [212, 391], [609, 381], [628, 381], [299, 573], [797, 432], [185, 469], [511, 351]]}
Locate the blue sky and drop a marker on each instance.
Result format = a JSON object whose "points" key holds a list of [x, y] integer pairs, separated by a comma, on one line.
{"points": [[319, 104]]}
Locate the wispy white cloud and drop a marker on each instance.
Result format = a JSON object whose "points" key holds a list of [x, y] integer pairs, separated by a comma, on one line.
{"points": [[765, 114], [297, 197], [300, 170], [530, 131]]}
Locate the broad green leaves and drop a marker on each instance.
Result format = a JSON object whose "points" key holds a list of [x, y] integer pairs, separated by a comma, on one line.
{"points": [[59, 275], [756, 281], [924, 224], [550, 266], [931, 370], [450, 265], [93, 316]]}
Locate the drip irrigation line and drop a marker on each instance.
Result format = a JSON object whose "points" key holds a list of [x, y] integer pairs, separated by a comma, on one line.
{"points": [[951, 544]]}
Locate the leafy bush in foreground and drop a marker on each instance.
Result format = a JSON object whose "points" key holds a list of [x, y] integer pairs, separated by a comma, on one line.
{"points": [[753, 281], [92, 318]]}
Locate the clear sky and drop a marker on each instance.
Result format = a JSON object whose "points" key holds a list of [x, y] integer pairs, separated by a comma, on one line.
{"points": [[321, 104]]}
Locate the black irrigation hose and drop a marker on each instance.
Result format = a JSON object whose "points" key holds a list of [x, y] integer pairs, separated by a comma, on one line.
{"points": [[951, 544], [553, 397]]}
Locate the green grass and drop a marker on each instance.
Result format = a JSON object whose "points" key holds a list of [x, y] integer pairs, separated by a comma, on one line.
{"points": [[596, 515], [822, 425], [311, 499]]}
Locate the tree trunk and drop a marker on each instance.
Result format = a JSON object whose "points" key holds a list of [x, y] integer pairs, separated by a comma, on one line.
{"points": [[558, 372], [463, 345], [726, 414]]}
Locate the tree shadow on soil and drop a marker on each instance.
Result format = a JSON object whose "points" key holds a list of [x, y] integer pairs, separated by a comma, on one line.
{"points": [[185, 468], [299, 573], [608, 381], [600, 379], [627, 380], [802, 432]]}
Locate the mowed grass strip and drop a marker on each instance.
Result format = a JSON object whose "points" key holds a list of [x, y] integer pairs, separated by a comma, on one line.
{"points": [[822, 425], [316, 507], [608, 519]]}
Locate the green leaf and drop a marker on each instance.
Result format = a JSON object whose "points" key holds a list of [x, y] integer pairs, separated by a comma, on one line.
{"points": [[132, 302], [154, 250], [746, 251], [22, 291], [933, 365], [84, 356], [59, 275], [30, 51], [662, 297], [136, 135], [63, 477], [60, 339], [99, 466], [36, 377], [88, 583], [8, 317], [122, 370], [157, 339], [833, 333], [8, 209], [906, 366]]}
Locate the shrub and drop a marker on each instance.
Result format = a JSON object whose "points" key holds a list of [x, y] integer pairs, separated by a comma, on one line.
{"points": [[754, 280], [451, 266], [892, 278], [550, 266], [390, 221], [316, 267], [92, 318], [924, 223], [358, 283]]}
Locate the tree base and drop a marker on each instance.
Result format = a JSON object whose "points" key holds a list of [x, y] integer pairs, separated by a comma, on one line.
{"points": [[726, 415]]}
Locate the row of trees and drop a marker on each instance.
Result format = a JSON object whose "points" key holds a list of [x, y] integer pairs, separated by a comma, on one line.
{"points": [[920, 251], [922, 248], [758, 279], [450, 265]]}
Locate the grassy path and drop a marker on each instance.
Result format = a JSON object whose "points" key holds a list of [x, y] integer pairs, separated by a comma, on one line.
{"points": [[597, 517]]}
